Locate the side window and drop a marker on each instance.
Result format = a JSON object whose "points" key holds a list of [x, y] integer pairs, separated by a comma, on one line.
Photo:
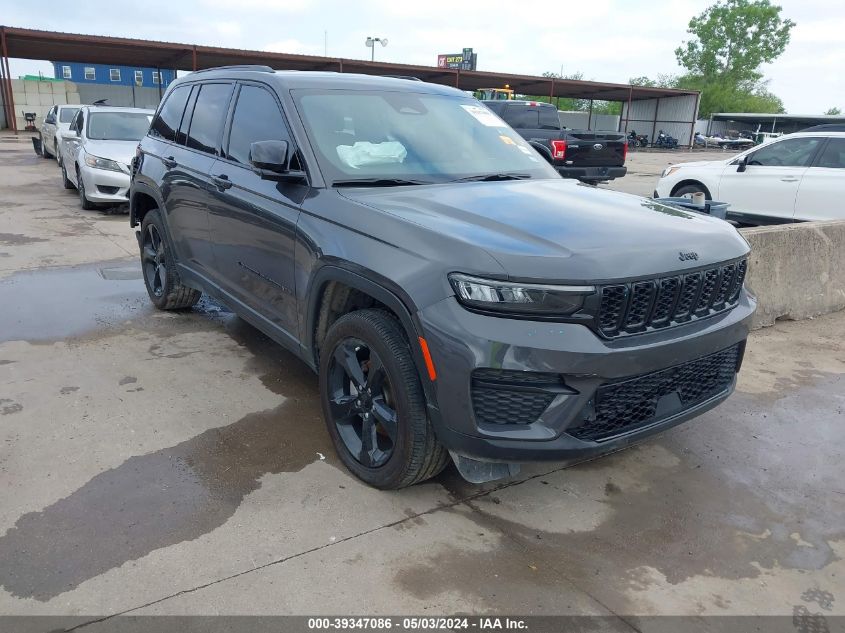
{"points": [[548, 118], [208, 117], [76, 124], [794, 152], [833, 155], [169, 116], [257, 118], [522, 117]]}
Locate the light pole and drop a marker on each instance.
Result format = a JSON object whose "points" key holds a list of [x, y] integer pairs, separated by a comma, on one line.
{"points": [[371, 42]]}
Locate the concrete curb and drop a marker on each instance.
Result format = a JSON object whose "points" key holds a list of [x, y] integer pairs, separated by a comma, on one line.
{"points": [[797, 271]]}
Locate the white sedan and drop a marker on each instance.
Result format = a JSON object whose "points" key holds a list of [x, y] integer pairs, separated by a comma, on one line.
{"points": [[796, 177], [97, 151]]}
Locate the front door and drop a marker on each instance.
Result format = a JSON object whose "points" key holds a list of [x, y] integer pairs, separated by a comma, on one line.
{"points": [[254, 220], [769, 184]]}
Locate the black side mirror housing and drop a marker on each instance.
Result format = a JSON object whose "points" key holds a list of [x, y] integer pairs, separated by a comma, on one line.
{"points": [[270, 160], [742, 164]]}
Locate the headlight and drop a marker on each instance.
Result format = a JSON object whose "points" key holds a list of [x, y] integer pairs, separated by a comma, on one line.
{"points": [[518, 298], [101, 163], [669, 170]]}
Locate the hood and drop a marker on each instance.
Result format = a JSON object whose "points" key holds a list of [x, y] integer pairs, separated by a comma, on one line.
{"points": [[121, 151], [560, 230]]}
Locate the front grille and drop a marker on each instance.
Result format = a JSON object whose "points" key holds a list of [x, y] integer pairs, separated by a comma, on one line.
{"points": [[512, 397], [622, 407], [640, 306]]}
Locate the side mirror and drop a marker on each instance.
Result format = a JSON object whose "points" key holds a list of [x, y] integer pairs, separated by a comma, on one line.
{"points": [[269, 155], [742, 164], [270, 161]]}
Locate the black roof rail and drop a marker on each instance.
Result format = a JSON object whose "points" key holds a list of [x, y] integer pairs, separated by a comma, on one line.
{"points": [[258, 68]]}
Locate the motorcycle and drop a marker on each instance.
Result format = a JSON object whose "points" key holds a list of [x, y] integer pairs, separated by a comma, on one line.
{"points": [[665, 141], [637, 140]]}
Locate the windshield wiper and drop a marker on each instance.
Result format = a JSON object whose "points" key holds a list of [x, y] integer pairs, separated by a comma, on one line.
{"points": [[492, 177], [379, 182]]}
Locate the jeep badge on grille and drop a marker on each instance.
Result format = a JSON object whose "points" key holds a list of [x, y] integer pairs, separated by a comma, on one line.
{"points": [[687, 256]]}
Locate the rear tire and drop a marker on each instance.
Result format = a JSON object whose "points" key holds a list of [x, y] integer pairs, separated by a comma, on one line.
{"points": [[373, 403], [692, 188], [164, 286]]}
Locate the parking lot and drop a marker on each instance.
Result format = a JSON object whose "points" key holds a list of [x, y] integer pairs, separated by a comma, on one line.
{"points": [[161, 463], [645, 165]]}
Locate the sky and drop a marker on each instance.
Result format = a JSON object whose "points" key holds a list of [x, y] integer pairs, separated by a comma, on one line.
{"points": [[606, 40]]}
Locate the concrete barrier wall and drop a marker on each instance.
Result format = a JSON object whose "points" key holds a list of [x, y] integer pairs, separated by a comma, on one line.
{"points": [[797, 271]]}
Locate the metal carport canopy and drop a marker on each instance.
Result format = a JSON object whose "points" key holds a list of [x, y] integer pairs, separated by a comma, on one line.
{"points": [[96, 49]]}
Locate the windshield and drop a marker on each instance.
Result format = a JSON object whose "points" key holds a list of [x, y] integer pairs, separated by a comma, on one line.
{"points": [[405, 136], [118, 126], [66, 114]]}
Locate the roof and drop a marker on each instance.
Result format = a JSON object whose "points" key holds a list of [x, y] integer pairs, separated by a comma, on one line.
{"points": [[306, 79], [809, 119], [74, 47]]}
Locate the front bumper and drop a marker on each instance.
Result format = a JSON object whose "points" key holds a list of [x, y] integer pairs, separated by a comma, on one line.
{"points": [[461, 342], [104, 185], [591, 173]]}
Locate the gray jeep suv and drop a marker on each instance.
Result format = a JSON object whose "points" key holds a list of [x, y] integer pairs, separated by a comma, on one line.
{"points": [[457, 297]]}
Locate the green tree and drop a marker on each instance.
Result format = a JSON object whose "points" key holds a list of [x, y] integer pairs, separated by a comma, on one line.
{"points": [[834, 111], [733, 38]]}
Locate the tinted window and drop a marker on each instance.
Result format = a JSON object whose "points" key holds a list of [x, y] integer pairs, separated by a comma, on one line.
{"points": [[795, 152], [169, 116], [257, 118], [549, 119], [66, 114], [77, 122], [523, 117], [209, 114], [833, 155], [118, 126]]}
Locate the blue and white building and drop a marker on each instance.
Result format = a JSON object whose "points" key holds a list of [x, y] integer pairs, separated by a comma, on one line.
{"points": [[109, 74]]}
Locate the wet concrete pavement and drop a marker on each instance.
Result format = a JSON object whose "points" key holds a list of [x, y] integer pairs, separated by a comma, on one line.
{"points": [[178, 464]]}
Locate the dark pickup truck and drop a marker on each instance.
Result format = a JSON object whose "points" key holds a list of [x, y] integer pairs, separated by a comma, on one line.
{"points": [[587, 155]]}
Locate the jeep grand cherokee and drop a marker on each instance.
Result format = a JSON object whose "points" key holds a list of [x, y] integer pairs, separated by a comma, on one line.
{"points": [[457, 297]]}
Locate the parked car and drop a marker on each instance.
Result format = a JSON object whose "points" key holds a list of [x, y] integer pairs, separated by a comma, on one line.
{"points": [[589, 156], [55, 124], [97, 151], [456, 296], [796, 177]]}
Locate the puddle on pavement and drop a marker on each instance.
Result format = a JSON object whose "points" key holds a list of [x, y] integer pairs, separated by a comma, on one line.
{"points": [[55, 303], [174, 494]]}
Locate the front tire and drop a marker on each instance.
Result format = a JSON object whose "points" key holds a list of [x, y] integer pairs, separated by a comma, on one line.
{"points": [[691, 188], [44, 152], [84, 202], [164, 286], [373, 402], [66, 183]]}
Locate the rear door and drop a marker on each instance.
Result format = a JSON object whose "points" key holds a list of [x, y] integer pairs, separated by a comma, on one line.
{"points": [[254, 220], [769, 185], [191, 124], [822, 188]]}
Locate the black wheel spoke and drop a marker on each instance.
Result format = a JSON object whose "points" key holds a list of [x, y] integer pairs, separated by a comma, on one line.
{"points": [[386, 416], [342, 407], [346, 355], [368, 441], [149, 253], [375, 371]]}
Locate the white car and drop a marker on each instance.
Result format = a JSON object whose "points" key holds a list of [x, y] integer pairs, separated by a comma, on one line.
{"points": [[97, 152], [55, 125], [796, 177]]}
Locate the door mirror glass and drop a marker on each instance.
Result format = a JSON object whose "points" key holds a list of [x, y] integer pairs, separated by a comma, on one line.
{"points": [[269, 155]]}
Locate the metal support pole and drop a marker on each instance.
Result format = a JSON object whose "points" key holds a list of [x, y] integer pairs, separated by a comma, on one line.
{"points": [[160, 81], [552, 91], [194, 58], [692, 123], [628, 109], [10, 99], [590, 116], [654, 126], [340, 64], [458, 78]]}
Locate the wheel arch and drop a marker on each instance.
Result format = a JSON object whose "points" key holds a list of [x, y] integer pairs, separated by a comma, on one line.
{"points": [[142, 200], [692, 181]]}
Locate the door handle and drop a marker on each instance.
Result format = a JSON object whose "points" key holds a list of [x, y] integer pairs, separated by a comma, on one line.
{"points": [[222, 181], [169, 162], [789, 179]]}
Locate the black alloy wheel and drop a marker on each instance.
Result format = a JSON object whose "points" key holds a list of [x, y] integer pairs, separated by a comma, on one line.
{"points": [[361, 403], [154, 261]]}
